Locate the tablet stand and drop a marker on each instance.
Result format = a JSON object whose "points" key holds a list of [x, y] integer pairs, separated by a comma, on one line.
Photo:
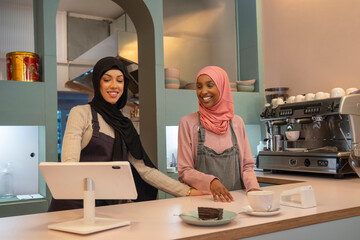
{"points": [[90, 223]]}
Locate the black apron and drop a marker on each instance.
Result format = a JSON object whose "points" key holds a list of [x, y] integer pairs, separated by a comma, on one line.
{"points": [[100, 149]]}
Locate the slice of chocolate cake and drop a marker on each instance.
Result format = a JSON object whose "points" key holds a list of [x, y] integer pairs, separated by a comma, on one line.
{"points": [[206, 213]]}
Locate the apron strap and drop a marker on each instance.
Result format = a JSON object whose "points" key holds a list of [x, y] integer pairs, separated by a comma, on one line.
{"points": [[95, 123], [233, 136], [201, 133]]}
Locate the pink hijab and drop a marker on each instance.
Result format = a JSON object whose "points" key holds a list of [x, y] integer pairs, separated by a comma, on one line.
{"points": [[217, 118]]}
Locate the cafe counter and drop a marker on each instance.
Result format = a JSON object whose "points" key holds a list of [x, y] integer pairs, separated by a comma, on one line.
{"points": [[336, 216]]}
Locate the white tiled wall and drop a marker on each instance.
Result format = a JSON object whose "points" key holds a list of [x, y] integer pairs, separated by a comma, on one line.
{"points": [[171, 143], [17, 143]]}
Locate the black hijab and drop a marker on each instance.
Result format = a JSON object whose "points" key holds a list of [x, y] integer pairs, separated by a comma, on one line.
{"points": [[125, 131]]}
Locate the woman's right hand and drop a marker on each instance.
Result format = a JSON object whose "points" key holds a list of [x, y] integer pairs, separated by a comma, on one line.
{"points": [[220, 192], [195, 192]]}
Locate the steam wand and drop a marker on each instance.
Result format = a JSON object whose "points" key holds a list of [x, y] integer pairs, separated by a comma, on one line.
{"points": [[342, 133]]}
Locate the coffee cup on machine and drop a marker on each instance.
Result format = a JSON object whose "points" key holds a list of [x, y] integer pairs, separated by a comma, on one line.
{"points": [[292, 135]]}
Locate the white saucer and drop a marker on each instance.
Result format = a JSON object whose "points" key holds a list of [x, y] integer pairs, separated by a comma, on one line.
{"points": [[271, 212]]}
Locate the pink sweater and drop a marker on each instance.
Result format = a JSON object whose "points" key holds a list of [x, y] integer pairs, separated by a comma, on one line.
{"points": [[187, 152]]}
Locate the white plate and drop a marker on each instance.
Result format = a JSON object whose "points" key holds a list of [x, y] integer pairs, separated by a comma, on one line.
{"points": [[191, 217], [272, 212]]}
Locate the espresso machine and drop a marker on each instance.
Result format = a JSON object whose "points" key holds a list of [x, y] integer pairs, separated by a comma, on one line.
{"points": [[327, 129]]}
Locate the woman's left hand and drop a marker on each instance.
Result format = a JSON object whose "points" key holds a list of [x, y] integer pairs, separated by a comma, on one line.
{"points": [[219, 191]]}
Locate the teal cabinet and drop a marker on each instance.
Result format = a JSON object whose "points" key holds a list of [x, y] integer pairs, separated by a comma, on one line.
{"points": [[35, 104]]}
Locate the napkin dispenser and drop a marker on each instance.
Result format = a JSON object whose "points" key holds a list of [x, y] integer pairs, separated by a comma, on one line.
{"points": [[302, 197]]}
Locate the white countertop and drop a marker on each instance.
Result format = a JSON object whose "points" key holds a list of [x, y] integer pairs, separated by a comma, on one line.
{"points": [[336, 199]]}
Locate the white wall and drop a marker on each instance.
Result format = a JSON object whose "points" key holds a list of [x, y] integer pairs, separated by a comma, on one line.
{"points": [[311, 46], [209, 28], [224, 50]]}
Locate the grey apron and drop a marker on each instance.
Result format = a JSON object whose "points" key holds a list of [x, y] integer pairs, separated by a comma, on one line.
{"points": [[225, 165]]}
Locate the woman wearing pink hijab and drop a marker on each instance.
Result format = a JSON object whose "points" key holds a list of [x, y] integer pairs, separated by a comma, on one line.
{"points": [[214, 154]]}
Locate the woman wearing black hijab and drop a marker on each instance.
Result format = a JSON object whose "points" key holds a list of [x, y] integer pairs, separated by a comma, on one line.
{"points": [[98, 132]]}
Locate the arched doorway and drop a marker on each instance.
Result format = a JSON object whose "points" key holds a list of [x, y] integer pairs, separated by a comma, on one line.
{"points": [[140, 15]]}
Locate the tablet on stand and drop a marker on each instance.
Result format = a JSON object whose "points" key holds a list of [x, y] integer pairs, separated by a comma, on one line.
{"points": [[89, 181]]}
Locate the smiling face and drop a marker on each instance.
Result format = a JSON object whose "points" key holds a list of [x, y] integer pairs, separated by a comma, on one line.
{"points": [[112, 85], [207, 91]]}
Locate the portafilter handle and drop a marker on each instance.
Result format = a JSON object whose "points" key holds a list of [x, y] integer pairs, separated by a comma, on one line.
{"points": [[278, 122], [304, 120]]}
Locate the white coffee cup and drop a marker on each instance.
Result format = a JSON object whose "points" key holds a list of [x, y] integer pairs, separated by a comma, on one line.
{"points": [[280, 101], [290, 99], [309, 96], [292, 135], [277, 101], [261, 201], [319, 95], [350, 90], [299, 98], [274, 102], [337, 92]]}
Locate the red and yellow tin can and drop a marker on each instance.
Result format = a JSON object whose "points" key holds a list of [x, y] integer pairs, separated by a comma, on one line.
{"points": [[23, 66]]}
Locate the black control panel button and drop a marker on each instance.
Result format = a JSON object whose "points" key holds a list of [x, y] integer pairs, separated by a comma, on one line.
{"points": [[293, 162], [307, 162], [312, 110], [285, 112], [322, 163]]}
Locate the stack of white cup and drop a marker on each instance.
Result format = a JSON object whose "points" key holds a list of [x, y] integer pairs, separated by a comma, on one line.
{"points": [[335, 92]]}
